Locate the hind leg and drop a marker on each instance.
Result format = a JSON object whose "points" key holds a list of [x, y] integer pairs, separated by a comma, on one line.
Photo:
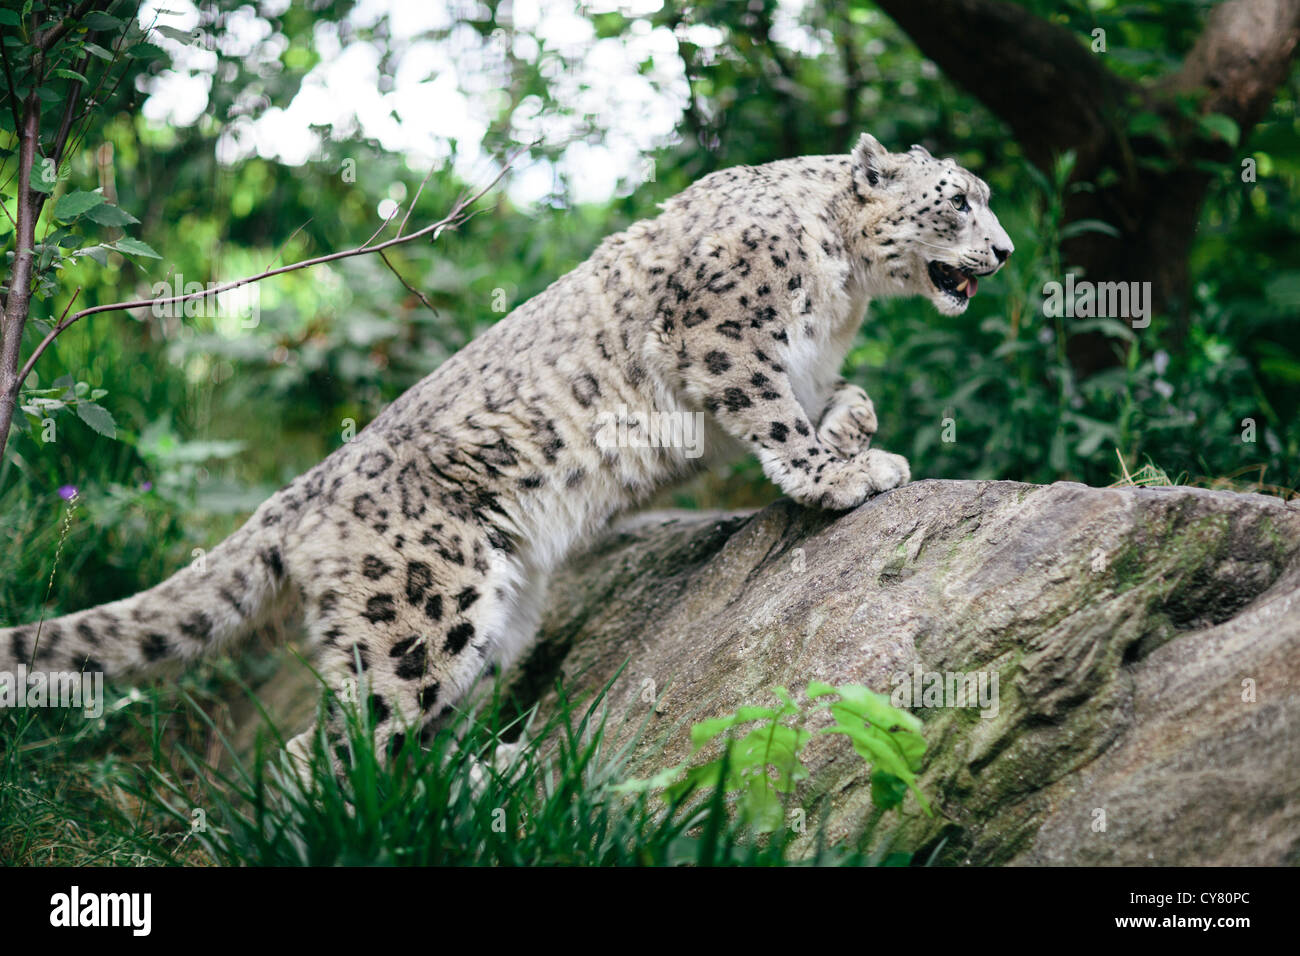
{"points": [[406, 632], [519, 590]]}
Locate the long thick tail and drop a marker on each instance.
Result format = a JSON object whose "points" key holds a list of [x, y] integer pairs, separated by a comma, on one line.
{"points": [[217, 598]]}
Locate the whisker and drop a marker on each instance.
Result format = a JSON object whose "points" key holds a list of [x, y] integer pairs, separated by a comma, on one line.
{"points": [[922, 242]]}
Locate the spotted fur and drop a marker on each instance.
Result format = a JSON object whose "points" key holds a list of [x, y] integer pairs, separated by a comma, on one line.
{"points": [[419, 553]]}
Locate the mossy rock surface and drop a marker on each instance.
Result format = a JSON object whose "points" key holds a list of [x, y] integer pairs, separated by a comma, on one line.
{"points": [[1129, 629], [1146, 643]]}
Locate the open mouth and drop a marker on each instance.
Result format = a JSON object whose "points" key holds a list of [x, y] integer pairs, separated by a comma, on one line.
{"points": [[953, 281]]}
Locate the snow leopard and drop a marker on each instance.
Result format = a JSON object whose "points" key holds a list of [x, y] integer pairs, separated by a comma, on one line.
{"points": [[417, 555]]}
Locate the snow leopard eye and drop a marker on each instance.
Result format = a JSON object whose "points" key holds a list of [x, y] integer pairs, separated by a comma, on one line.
{"points": [[959, 203]]}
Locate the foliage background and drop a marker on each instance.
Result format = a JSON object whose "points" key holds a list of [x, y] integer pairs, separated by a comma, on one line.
{"points": [[211, 417]]}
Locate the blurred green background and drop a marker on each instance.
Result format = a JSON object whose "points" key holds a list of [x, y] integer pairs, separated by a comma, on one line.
{"points": [[211, 416]]}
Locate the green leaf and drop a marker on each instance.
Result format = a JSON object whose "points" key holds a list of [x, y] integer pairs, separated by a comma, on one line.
{"points": [[44, 177], [98, 418], [96, 50], [887, 791], [1224, 127], [664, 778], [888, 738], [70, 75], [135, 247], [99, 253], [72, 205], [1146, 123], [866, 704], [146, 51], [97, 20], [706, 730], [8, 18], [180, 36], [107, 214]]}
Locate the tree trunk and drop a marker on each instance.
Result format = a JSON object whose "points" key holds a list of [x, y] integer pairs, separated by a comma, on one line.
{"points": [[1058, 95], [18, 299]]}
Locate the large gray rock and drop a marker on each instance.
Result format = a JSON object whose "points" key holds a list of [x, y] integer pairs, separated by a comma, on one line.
{"points": [[1146, 643]]}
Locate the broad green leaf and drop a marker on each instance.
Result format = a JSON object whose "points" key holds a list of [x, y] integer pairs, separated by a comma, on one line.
{"points": [[44, 177], [875, 708], [107, 214], [98, 418], [99, 253], [180, 36], [146, 51], [135, 247], [73, 204], [1224, 127], [102, 21], [887, 791], [882, 734], [664, 778], [706, 730]]}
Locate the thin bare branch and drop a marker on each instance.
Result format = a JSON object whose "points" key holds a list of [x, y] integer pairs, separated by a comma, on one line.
{"points": [[454, 219], [69, 106], [9, 83], [382, 227], [280, 251], [409, 288], [411, 208]]}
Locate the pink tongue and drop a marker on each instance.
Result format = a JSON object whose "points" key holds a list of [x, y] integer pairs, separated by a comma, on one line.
{"points": [[971, 286]]}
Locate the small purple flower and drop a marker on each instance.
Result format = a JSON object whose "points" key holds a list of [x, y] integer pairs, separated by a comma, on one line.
{"points": [[147, 486], [67, 492]]}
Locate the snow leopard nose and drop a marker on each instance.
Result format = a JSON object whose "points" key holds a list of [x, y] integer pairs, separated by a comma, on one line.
{"points": [[1001, 253]]}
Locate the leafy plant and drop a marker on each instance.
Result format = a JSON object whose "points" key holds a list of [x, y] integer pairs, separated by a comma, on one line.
{"points": [[762, 766], [451, 800]]}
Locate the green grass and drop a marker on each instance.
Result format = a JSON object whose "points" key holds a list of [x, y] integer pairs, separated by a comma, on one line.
{"points": [[157, 781]]}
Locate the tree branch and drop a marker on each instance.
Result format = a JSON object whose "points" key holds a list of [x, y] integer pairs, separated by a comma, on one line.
{"points": [[1036, 76], [458, 216], [409, 288], [1240, 59], [9, 84], [69, 108]]}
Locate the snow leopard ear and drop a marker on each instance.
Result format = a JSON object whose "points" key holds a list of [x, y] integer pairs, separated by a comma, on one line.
{"points": [[871, 162], [920, 151]]}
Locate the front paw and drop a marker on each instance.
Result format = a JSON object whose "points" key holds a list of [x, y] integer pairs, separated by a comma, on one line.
{"points": [[849, 423], [867, 474], [885, 470]]}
